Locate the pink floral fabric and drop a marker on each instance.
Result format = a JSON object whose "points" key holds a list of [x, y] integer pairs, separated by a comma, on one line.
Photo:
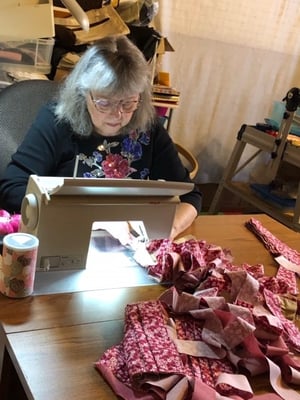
{"points": [[183, 346], [271, 242], [215, 322], [194, 263]]}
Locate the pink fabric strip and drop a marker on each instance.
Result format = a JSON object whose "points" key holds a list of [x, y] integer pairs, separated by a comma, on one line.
{"points": [[279, 386], [271, 242]]}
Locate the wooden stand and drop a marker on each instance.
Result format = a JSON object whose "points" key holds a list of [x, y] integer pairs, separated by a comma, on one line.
{"points": [[281, 149]]}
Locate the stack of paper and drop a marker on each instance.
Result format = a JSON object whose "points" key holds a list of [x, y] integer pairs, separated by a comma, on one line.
{"points": [[165, 94]]}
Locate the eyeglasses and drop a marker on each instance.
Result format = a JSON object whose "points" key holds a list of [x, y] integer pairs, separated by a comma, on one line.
{"points": [[124, 106]]}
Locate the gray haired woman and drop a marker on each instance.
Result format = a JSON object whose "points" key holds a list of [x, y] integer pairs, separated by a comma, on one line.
{"points": [[115, 69], [103, 117]]}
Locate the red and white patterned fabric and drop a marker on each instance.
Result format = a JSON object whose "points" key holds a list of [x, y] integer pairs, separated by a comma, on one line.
{"points": [[217, 324], [272, 243], [184, 346], [194, 263]]}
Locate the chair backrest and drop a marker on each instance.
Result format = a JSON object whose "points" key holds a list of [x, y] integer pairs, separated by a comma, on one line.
{"points": [[188, 159], [19, 104]]}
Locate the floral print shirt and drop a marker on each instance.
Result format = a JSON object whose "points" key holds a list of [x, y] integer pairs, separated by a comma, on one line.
{"points": [[50, 149], [104, 162]]}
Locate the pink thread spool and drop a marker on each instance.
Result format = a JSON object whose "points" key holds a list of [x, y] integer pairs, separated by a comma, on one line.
{"points": [[17, 271]]}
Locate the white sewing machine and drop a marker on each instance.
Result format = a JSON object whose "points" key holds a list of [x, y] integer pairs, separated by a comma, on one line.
{"points": [[61, 211]]}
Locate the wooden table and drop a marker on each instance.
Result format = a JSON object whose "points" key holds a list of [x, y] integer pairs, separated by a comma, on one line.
{"points": [[50, 342]]}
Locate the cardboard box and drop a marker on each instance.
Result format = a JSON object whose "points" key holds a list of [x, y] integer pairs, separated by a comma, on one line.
{"points": [[163, 46], [26, 19]]}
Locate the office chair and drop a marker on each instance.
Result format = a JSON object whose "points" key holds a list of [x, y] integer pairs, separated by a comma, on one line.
{"points": [[19, 104]]}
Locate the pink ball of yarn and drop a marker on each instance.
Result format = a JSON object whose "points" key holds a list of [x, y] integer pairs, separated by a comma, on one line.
{"points": [[9, 223]]}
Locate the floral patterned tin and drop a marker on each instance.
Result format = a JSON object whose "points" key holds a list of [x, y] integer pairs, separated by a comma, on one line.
{"points": [[17, 269]]}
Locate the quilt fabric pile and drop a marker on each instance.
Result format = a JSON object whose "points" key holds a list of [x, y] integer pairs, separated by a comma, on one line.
{"points": [[216, 326]]}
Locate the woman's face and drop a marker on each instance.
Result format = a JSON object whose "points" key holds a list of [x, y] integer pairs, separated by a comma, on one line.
{"points": [[110, 114]]}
